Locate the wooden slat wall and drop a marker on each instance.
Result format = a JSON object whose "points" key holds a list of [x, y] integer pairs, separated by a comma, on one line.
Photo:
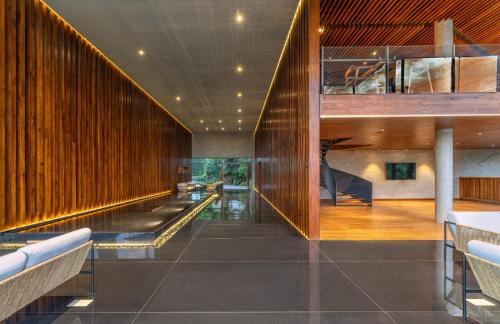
{"points": [[480, 188], [75, 132], [287, 136]]}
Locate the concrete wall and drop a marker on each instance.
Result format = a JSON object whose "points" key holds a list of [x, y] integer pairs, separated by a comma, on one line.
{"points": [[370, 165], [225, 145]]}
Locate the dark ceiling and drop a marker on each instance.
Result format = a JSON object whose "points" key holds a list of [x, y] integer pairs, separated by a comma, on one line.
{"points": [[191, 49]]}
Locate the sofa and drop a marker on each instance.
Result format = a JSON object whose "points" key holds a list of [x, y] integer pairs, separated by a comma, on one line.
{"points": [[484, 260], [36, 269], [468, 226]]}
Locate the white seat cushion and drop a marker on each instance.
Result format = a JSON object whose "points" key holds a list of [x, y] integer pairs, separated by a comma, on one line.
{"points": [[11, 263], [486, 221], [48, 249], [487, 251]]}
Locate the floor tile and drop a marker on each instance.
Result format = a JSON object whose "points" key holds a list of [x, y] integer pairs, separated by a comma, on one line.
{"points": [[402, 286], [125, 287], [257, 286], [265, 318], [75, 318], [383, 250], [247, 230], [438, 317], [251, 249]]}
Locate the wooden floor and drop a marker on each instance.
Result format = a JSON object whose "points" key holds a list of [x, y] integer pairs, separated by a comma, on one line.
{"points": [[388, 220]]}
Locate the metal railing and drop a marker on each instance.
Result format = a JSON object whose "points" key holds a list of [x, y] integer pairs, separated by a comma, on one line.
{"points": [[410, 69]]}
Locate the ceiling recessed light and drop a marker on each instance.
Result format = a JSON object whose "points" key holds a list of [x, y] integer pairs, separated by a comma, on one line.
{"points": [[202, 121], [239, 69], [220, 121], [240, 110], [141, 52], [374, 53], [239, 17], [178, 98], [239, 121], [239, 94]]}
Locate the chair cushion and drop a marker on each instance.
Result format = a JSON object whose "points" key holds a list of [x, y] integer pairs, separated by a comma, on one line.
{"points": [[486, 221], [487, 251], [48, 249], [11, 263]]}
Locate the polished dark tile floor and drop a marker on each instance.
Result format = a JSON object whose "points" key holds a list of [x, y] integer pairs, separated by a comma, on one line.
{"points": [[239, 262]]}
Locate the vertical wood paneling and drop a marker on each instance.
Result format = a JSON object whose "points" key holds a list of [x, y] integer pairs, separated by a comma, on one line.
{"points": [[480, 189], [2, 114], [75, 132], [287, 136]]}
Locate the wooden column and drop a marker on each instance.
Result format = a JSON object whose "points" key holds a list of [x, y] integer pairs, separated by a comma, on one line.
{"points": [[314, 118], [443, 38]]}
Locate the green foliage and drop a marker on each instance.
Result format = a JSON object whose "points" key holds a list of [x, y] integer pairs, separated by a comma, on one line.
{"points": [[208, 170]]}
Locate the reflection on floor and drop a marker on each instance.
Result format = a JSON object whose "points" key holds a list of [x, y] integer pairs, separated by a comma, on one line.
{"points": [[388, 220], [239, 262]]}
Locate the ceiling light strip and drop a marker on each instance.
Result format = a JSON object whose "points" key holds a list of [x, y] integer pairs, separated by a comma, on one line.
{"points": [[406, 116], [113, 64], [281, 214], [85, 212], [278, 65]]}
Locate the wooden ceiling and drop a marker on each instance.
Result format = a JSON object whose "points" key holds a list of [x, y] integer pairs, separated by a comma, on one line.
{"points": [[406, 22], [413, 133]]}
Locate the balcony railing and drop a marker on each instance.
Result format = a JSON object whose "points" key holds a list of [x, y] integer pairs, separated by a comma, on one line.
{"points": [[410, 69]]}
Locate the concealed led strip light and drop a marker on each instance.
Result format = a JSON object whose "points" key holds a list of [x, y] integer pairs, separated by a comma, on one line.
{"points": [[114, 65], [278, 65], [408, 115], [281, 214], [85, 212], [165, 236]]}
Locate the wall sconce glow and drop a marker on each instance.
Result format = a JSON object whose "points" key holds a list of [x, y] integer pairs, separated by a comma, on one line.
{"points": [[239, 121], [222, 129], [321, 30], [374, 53], [493, 145], [239, 128], [239, 69], [141, 52], [239, 94], [240, 110], [202, 121], [220, 121], [178, 98], [239, 17], [206, 128], [382, 129]]}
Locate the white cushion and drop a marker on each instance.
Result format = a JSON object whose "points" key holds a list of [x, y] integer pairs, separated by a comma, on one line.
{"points": [[48, 249], [486, 221], [11, 263], [487, 251]]}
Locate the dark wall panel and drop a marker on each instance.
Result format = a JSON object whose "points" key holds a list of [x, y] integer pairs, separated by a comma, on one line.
{"points": [[75, 132], [287, 136]]}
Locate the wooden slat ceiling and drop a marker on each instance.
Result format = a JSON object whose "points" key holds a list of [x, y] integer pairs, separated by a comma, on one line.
{"points": [[406, 22], [412, 133]]}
